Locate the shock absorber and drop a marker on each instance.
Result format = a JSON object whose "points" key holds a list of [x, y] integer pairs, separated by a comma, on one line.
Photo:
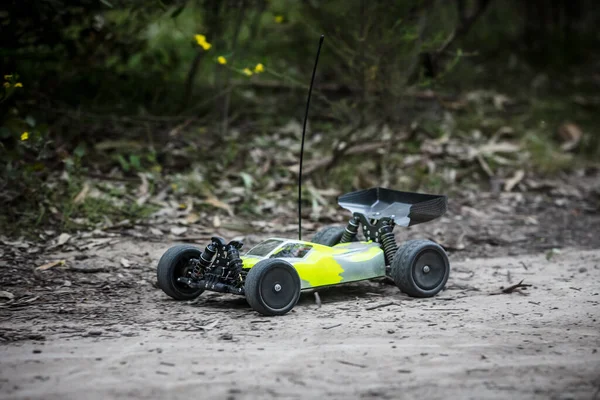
{"points": [[388, 241], [205, 259], [234, 263], [350, 231]]}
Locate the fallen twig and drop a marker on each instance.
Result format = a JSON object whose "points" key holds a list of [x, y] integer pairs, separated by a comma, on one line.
{"points": [[332, 326], [513, 288], [391, 303], [352, 364], [523, 264]]}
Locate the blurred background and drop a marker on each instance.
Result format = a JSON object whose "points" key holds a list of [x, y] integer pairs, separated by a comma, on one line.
{"points": [[117, 111]]}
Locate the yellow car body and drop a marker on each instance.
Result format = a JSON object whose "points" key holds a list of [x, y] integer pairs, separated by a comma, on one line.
{"points": [[319, 265]]}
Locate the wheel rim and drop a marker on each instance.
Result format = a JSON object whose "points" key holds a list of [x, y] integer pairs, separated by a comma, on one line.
{"points": [[182, 269], [278, 288], [429, 269]]}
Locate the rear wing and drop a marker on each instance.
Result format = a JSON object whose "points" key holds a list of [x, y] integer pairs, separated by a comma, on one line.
{"points": [[405, 208]]}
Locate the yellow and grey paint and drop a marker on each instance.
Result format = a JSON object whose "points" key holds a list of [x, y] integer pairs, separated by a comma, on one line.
{"points": [[325, 266]]}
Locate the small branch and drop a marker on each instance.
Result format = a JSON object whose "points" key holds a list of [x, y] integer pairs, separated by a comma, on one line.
{"points": [[391, 303], [189, 80], [466, 21], [351, 363], [226, 85], [512, 288]]}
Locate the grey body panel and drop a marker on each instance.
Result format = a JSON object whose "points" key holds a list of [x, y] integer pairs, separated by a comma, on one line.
{"points": [[364, 269]]}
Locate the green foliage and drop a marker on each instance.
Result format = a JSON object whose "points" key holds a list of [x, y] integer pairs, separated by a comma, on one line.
{"points": [[122, 88]]}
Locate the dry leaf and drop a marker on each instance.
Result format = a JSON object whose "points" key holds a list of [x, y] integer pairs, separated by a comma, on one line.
{"points": [[514, 181], [502, 147], [63, 238], [500, 100], [485, 166], [80, 198], [156, 232], [571, 135], [125, 262], [50, 265], [213, 201], [6, 295], [144, 186], [178, 230], [209, 326], [216, 221], [192, 218]]}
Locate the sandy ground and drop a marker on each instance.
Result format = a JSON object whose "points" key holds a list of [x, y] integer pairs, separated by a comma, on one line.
{"points": [[366, 340]]}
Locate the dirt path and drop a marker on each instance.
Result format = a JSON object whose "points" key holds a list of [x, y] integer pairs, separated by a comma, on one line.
{"points": [[109, 335]]}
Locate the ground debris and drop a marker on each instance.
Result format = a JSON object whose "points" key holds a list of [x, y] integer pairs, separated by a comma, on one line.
{"points": [[50, 265], [514, 288], [351, 364], [391, 303], [6, 295], [317, 300]]}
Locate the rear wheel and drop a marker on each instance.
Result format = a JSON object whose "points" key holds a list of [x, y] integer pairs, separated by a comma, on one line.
{"points": [[420, 268], [330, 236], [272, 287], [173, 264]]}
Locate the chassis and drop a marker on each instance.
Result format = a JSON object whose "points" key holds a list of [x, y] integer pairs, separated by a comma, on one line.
{"points": [[273, 273]]}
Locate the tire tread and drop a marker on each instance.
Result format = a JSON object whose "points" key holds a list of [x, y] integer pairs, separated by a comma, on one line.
{"points": [[401, 268], [252, 287], [164, 270]]}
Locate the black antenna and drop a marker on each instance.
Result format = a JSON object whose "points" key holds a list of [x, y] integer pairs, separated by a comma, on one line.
{"points": [[302, 145]]}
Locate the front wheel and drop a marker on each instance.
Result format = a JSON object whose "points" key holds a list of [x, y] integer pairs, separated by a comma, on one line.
{"points": [[272, 287], [420, 268], [174, 264]]}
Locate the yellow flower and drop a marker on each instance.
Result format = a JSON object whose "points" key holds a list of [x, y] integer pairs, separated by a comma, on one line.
{"points": [[7, 77], [201, 40], [247, 71], [259, 68], [18, 84], [279, 19], [222, 60], [24, 136], [6, 84]]}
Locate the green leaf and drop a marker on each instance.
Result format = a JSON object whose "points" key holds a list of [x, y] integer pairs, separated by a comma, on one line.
{"points": [[248, 180], [135, 162], [124, 164], [79, 150], [30, 121]]}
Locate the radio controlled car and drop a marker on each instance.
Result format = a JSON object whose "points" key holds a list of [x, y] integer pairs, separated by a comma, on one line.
{"points": [[272, 274]]}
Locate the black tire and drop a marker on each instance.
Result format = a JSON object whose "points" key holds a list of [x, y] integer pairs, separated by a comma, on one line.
{"points": [[330, 236], [261, 287], [404, 246], [420, 268], [172, 265]]}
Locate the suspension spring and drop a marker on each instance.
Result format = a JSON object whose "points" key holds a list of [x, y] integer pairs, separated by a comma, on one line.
{"points": [[350, 231], [235, 263], [388, 242], [205, 259]]}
